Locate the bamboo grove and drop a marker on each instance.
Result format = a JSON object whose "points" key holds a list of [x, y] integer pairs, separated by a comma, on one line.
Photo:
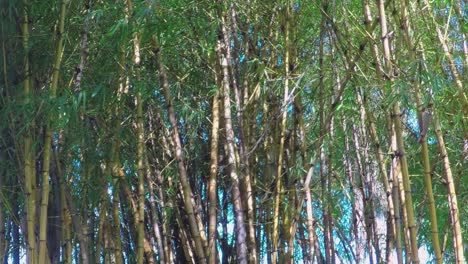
{"points": [[216, 131]]}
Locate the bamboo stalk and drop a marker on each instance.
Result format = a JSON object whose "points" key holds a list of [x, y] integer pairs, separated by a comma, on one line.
{"points": [[48, 137]]}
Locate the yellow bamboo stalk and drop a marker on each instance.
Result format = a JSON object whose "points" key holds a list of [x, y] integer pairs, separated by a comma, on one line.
{"points": [[65, 213], [423, 139], [196, 227], [140, 163], [28, 155], [452, 196], [399, 138], [212, 186], [115, 159], [284, 115], [140, 146], [406, 184], [48, 138]]}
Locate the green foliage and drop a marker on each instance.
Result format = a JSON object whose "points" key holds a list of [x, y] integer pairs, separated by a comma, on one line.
{"points": [[97, 122]]}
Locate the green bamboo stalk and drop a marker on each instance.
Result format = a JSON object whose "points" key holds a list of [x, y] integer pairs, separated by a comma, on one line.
{"points": [[48, 137]]}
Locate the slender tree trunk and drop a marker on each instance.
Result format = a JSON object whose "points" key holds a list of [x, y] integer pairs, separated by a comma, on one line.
{"points": [[369, 180], [239, 94], [108, 256], [84, 49], [78, 225], [154, 215], [394, 182], [400, 199], [187, 246], [279, 174], [212, 185], [352, 66], [290, 145], [15, 234], [166, 230], [116, 226], [140, 144], [399, 138], [197, 233], [165, 203], [322, 122], [308, 196], [225, 248], [65, 216], [241, 245], [140, 153], [28, 153], [452, 196], [330, 124], [359, 204], [115, 156], [247, 123], [423, 127], [402, 194], [269, 171], [134, 214], [48, 137], [391, 229], [103, 218]]}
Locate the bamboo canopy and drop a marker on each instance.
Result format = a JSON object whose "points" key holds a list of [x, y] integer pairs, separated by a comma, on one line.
{"points": [[233, 131]]}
